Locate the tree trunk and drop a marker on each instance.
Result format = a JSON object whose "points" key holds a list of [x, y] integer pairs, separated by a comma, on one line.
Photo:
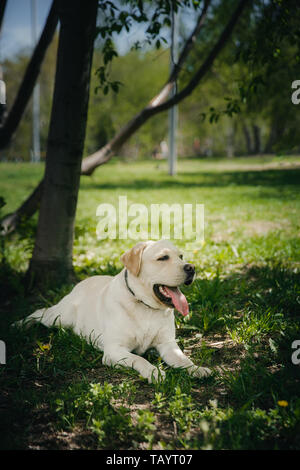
{"points": [[230, 141], [276, 133], [257, 140], [52, 255], [248, 139]]}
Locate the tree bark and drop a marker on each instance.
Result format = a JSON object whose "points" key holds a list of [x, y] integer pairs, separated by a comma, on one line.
{"points": [[25, 91], [52, 255], [257, 140], [248, 139], [276, 132]]}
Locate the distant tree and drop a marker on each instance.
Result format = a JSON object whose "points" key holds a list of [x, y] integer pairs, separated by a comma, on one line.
{"points": [[269, 47], [107, 113]]}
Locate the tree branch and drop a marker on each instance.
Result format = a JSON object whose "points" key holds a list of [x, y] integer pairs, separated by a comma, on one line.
{"points": [[207, 63], [2, 11], [14, 117], [10, 221], [90, 163], [158, 103]]}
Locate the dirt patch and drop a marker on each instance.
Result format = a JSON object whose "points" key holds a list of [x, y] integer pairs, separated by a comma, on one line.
{"points": [[250, 229], [262, 227]]}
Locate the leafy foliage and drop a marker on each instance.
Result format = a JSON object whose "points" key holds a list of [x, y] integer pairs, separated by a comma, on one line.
{"points": [[114, 19]]}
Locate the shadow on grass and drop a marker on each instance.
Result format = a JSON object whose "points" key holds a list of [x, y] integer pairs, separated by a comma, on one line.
{"points": [[255, 314], [252, 307], [269, 178]]}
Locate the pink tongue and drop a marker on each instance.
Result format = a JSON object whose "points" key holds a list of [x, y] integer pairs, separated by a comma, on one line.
{"points": [[178, 299]]}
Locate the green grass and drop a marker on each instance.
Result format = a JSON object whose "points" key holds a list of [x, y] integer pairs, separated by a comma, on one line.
{"points": [[245, 312]]}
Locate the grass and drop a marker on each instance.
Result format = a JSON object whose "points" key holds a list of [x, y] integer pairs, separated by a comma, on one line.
{"points": [[245, 312]]}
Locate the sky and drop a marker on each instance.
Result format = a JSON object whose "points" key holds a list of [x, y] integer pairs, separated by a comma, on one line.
{"points": [[16, 29], [17, 34]]}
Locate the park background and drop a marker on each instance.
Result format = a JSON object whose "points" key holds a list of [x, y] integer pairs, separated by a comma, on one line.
{"points": [[238, 154]]}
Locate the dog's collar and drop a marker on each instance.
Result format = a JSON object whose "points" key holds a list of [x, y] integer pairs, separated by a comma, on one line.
{"points": [[131, 292]]}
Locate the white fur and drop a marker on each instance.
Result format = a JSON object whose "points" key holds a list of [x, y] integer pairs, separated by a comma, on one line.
{"points": [[103, 310]]}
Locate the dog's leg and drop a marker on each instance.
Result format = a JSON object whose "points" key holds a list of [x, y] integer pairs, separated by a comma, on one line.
{"points": [[119, 356], [174, 357]]}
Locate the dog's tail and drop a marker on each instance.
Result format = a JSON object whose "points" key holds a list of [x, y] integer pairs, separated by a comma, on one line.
{"points": [[46, 316]]}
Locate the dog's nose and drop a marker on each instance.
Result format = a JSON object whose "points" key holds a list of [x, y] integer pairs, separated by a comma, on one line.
{"points": [[189, 269]]}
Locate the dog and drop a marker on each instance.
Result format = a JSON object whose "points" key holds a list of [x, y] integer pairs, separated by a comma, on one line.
{"points": [[127, 314]]}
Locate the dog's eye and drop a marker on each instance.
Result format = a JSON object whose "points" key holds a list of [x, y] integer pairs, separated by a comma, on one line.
{"points": [[163, 258], [181, 256]]}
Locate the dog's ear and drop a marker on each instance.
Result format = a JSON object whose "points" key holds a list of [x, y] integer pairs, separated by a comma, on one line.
{"points": [[132, 258]]}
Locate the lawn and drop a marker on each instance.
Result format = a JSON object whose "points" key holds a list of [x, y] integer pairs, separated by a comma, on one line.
{"points": [[244, 318]]}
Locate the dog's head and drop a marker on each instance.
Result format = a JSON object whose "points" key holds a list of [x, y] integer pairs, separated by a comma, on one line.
{"points": [[160, 268]]}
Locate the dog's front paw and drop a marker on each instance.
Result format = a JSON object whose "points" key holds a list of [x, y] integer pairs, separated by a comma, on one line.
{"points": [[199, 372], [156, 375]]}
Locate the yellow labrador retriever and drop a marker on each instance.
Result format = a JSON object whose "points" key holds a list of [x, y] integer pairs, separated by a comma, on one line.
{"points": [[129, 313]]}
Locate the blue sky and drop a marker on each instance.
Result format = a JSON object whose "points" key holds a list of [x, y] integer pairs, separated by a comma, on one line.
{"points": [[16, 28]]}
